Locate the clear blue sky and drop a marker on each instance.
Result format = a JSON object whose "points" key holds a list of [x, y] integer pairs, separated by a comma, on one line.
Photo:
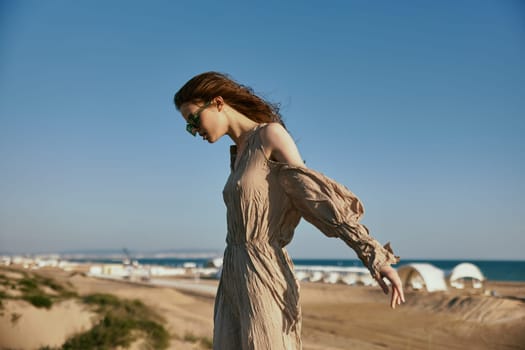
{"points": [[418, 107]]}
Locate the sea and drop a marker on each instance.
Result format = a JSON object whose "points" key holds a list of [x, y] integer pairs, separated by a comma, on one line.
{"points": [[495, 270]]}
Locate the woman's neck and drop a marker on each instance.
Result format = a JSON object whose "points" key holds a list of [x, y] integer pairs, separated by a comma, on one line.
{"points": [[239, 127]]}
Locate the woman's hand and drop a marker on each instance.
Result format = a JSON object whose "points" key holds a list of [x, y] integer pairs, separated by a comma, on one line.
{"points": [[390, 274]]}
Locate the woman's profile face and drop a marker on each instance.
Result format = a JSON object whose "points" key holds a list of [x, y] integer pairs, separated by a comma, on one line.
{"points": [[204, 119]]}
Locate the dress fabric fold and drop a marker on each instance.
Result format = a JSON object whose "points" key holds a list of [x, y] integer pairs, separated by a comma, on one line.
{"points": [[257, 303]]}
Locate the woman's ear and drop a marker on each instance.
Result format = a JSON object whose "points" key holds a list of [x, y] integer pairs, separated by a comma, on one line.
{"points": [[219, 102]]}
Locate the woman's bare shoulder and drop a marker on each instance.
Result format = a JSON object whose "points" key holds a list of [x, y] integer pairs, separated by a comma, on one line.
{"points": [[279, 145], [273, 132]]}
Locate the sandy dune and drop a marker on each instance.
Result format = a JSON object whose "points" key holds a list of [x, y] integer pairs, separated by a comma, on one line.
{"points": [[334, 317], [23, 326]]}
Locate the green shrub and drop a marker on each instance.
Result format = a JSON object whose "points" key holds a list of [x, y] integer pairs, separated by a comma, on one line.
{"points": [[122, 321], [156, 334], [190, 337], [57, 287], [15, 317], [102, 300], [207, 342], [109, 333], [2, 297], [203, 341], [28, 285], [39, 300]]}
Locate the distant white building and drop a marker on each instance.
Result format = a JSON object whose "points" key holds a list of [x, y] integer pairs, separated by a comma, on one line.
{"points": [[464, 272], [6, 260], [422, 276], [95, 270], [334, 274], [166, 271], [215, 262], [332, 277], [46, 262], [112, 270]]}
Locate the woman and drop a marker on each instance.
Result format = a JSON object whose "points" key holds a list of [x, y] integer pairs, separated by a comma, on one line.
{"points": [[269, 189]]}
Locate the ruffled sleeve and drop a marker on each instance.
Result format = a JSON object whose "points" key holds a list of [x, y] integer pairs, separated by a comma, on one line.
{"points": [[336, 211]]}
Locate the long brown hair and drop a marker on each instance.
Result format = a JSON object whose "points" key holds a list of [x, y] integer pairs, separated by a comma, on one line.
{"points": [[206, 86]]}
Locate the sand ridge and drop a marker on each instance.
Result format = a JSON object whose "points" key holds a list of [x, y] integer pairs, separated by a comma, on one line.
{"points": [[23, 326], [339, 316]]}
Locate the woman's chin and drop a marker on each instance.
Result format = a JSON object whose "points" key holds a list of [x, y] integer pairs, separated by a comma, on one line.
{"points": [[212, 139]]}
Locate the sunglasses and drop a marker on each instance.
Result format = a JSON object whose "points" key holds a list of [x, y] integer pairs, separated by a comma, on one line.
{"points": [[194, 119]]}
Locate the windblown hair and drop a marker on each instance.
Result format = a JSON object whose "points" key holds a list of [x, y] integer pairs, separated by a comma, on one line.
{"points": [[206, 86]]}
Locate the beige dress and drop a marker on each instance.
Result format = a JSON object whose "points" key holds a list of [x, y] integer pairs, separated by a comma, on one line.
{"points": [[257, 303]]}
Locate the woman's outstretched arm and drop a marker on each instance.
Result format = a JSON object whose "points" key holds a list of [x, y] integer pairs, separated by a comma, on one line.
{"points": [[331, 207]]}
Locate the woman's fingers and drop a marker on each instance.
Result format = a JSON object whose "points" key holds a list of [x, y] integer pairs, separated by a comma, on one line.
{"points": [[398, 296], [394, 299], [401, 295], [399, 287]]}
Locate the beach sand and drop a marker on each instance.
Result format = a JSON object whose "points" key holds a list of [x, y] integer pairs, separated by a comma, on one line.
{"points": [[334, 316]]}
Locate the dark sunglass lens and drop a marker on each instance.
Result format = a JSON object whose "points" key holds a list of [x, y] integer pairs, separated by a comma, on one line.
{"points": [[191, 129], [195, 119]]}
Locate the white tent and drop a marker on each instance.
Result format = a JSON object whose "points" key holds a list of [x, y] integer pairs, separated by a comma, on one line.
{"points": [[422, 276], [466, 271]]}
